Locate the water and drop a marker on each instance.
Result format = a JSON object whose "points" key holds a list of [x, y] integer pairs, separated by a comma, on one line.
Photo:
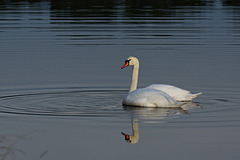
{"points": [[61, 85]]}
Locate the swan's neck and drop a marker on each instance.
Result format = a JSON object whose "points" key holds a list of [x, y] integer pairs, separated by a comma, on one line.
{"points": [[134, 77]]}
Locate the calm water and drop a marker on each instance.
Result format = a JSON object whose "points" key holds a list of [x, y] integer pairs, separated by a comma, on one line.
{"points": [[61, 85]]}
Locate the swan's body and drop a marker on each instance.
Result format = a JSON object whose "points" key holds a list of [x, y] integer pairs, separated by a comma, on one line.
{"points": [[156, 95], [175, 92], [149, 97]]}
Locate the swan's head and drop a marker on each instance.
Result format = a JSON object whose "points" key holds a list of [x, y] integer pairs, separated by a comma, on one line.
{"points": [[131, 61]]}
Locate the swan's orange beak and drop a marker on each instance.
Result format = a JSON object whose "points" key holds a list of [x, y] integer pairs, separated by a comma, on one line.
{"points": [[125, 65], [126, 136]]}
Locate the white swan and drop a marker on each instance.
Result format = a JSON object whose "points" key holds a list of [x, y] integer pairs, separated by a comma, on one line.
{"points": [[156, 95]]}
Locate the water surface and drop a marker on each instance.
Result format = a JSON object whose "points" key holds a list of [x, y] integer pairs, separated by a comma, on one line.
{"points": [[61, 85]]}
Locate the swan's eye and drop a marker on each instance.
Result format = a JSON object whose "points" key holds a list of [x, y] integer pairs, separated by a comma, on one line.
{"points": [[126, 63], [128, 60]]}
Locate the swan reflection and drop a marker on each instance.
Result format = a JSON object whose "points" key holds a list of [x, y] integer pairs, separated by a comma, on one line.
{"points": [[132, 139], [153, 115]]}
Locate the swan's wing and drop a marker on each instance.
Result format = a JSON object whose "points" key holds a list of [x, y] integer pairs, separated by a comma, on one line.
{"points": [[175, 92], [169, 89], [148, 97]]}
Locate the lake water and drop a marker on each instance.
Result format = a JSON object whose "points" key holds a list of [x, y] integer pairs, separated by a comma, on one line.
{"points": [[61, 85]]}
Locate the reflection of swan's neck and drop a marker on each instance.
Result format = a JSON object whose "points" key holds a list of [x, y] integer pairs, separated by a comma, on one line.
{"points": [[134, 77], [135, 136], [132, 139]]}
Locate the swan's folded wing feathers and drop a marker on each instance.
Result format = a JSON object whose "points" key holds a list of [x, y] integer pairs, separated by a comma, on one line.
{"points": [[175, 92], [148, 97]]}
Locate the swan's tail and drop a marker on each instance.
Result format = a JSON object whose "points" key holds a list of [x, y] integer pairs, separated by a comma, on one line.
{"points": [[189, 97], [192, 96]]}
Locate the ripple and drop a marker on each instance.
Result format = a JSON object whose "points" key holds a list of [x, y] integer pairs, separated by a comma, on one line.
{"points": [[214, 108], [220, 108], [65, 103]]}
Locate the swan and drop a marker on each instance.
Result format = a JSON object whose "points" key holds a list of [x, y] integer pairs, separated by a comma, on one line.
{"points": [[156, 95]]}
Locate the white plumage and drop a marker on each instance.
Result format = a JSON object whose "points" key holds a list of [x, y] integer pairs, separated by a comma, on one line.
{"points": [[148, 97], [175, 92], [156, 95]]}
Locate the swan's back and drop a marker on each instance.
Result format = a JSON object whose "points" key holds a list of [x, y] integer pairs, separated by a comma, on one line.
{"points": [[149, 97], [175, 92]]}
